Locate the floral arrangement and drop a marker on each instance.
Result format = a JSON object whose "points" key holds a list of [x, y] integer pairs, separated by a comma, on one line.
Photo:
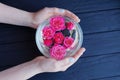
{"points": [[57, 37]]}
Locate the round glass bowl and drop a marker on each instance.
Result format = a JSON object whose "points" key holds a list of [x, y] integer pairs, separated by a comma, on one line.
{"points": [[75, 33]]}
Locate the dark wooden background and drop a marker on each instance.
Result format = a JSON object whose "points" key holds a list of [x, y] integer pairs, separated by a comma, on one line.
{"points": [[100, 21]]}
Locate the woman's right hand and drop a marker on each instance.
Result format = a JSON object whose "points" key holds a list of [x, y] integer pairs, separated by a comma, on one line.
{"points": [[39, 65], [41, 15], [51, 65]]}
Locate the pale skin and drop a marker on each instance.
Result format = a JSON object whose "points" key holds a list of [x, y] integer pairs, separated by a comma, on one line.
{"points": [[41, 64]]}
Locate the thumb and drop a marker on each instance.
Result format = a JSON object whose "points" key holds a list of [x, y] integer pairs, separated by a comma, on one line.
{"points": [[79, 53], [64, 12]]}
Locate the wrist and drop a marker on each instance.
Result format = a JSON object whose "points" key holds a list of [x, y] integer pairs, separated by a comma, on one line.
{"points": [[33, 22], [21, 72], [36, 66]]}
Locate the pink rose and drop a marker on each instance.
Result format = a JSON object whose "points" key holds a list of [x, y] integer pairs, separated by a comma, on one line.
{"points": [[58, 52], [68, 41], [69, 25], [48, 42], [58, 37], [48, 32], [57, 23]]}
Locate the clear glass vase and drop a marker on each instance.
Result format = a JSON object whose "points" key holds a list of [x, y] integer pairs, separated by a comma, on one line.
{"points": [[76, 33]]}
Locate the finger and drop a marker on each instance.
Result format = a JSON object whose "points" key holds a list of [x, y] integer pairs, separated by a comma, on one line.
{"points": [[79, 53], [71, 15], [71, 61], [67, 62], [63, 12], [63, 62]]}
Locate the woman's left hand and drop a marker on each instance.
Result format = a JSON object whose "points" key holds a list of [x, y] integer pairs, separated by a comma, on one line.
{"points": [[31, 19]]}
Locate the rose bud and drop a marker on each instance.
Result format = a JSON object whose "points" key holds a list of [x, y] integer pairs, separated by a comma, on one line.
{"points": [[68, 41], [58, 37], [57, 23], [58, 52], [48, 32], [69, 25], [48, 42]]}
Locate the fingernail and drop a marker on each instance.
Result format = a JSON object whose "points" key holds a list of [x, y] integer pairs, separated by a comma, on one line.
{"points": [[84, 49], [71, 60], [61, 10], [79, 20]]}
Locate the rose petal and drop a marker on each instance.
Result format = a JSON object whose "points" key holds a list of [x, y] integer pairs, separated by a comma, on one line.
{"points": [[58, 37], [57, 23], [48, 32], [69, 25], [68, 41], [58, 52], [48, 42]]}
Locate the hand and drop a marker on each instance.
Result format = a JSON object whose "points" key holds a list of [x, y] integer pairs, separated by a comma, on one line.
{"points": [[42, 15], [31, 19], [39, 65], [51, 65]]}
